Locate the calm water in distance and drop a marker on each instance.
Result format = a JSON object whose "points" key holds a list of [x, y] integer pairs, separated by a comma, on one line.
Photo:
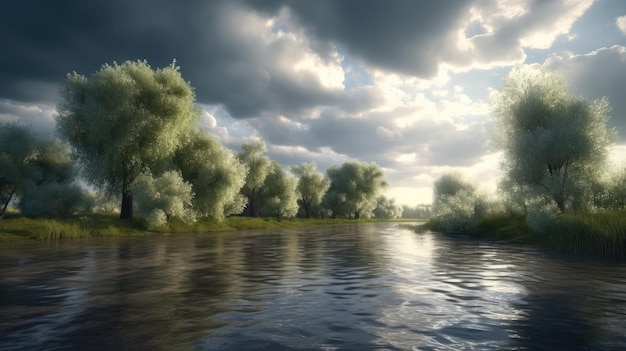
{"points": [[362, 287]]}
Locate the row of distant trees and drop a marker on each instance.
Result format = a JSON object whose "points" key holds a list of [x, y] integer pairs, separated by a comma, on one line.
{"points": [[555, 148], [132, 133]]}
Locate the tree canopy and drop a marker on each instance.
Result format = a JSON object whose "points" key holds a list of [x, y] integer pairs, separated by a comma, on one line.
{"points": [[30, 167], [253, 156], [161, 198], [354, 187], [122, 119], [18, 152], [215, 174], [553, 142], [311, 186], [457, 206], [278, 196]]}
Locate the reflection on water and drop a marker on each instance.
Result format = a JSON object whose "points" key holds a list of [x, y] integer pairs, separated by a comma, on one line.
{"points": [[366, 287]]}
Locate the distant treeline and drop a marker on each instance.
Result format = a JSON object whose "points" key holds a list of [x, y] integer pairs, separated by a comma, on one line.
{"points": [[131, 133]]}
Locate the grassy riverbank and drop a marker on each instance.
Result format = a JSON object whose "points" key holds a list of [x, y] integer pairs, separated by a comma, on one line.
{"points": [[15, 227], [600, 235]]}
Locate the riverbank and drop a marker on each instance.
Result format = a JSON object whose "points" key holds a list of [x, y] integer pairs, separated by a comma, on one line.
{"points": [[601, 235], [17, 228]]}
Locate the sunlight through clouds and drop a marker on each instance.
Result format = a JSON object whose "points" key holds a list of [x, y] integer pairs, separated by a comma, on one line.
{"points": [[406, 85]]}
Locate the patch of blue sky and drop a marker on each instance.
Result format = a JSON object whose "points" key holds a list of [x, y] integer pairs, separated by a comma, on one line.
{"points": [[356, 75]]}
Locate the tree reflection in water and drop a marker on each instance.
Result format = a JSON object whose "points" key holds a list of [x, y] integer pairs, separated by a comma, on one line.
{"points": [[364, 287]]}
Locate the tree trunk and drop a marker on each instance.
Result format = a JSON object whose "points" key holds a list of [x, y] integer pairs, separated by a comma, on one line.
{"points": [[307, 208], [254, 206], [6, 204], [127, 205], [357, 215]]}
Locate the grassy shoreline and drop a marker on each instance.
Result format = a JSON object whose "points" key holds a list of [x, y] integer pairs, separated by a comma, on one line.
{"points": [[591, 235], [19, 228]]}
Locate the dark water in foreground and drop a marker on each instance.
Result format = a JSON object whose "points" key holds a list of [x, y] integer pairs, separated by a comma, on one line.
{"points": [[368, 287]]}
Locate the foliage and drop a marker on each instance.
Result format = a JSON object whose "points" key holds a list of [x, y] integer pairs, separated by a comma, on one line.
{"points": [[354, 188], [278, 197], [102, 203], [123, 119], [615, 191], [259, 166], [509, 226], [53, 199], [419, 211], [214, 173], [590, 234], [18, 152], [38, 171], [311, 186], [161, 198], [540, 214], [457, 208], [387, 208], [554, 143]]}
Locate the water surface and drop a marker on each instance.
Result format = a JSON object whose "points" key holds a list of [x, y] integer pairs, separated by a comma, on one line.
{"points": [[362, 287]]}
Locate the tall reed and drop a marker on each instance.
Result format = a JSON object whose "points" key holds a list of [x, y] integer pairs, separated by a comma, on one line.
{"points": [[590, 234]]}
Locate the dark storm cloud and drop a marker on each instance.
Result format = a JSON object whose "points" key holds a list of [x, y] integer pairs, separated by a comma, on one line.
{"points": [[44, 40], [217, 46], [596, 75], [215, 43], [401, 36]]}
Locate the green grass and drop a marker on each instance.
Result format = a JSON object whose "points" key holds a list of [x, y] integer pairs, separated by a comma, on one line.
{"points": [[600, 235], [15, 227], [590, 234], [504, 226]]}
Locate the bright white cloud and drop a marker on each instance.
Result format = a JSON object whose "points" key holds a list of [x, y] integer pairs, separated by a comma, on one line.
{"points": [[508, 27], [621, 24]]}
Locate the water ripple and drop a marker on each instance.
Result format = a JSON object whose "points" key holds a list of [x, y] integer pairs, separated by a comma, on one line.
{"points": [[367, 287]]}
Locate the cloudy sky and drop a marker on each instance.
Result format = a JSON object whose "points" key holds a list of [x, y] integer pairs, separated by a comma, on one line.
{"points": [[405, 84]]}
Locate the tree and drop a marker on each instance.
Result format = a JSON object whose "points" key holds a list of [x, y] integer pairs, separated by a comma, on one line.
{"points": [[123, 119], [387, 208], [159, 199], [419, 211], [278, 195], [456, 205], [52, 191], [215, 174], [54, 199], [554, 143], [18, 152], [30, 168], [354, 188], [311, 186], [259, 167]]}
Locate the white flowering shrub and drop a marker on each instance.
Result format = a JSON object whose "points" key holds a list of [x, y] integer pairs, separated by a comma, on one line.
{"points": [[159, 199]]}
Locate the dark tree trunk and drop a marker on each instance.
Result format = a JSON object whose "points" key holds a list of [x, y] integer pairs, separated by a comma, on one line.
{"points": [[307, 208], [6, 204], [254, 205], [357, 215], [127, 205]]}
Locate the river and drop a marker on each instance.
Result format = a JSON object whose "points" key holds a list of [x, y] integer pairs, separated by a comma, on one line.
{"points": [[356, 287]]}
